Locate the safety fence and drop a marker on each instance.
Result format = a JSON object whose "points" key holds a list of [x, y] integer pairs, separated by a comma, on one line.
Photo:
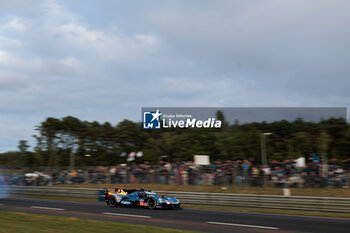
{"points": [[301, 203]]}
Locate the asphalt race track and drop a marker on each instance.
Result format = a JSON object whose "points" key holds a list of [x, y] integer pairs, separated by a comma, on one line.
{"points": [[200, 220]]}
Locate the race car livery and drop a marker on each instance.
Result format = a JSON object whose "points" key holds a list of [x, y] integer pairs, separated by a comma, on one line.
{"points": [[139, 197]]}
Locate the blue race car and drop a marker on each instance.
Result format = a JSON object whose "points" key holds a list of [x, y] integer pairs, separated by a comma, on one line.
{"points": [[139, 197]]}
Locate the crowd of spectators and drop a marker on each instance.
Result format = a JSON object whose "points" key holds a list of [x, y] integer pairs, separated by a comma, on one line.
{"points": [[245, 172]]}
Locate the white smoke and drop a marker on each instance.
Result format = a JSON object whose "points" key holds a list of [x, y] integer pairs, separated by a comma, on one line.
{"points": [[4, 187]]}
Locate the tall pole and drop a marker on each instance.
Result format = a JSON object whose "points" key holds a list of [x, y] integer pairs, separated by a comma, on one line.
{"points": [[324, 146], [263, 154], [263, 149], [72, 159], [72, 156]]}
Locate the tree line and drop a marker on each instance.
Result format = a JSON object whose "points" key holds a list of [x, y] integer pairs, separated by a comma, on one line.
{"points": [[94, 143]]}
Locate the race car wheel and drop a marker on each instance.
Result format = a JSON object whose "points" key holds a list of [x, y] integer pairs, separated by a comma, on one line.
{"points": [[151, 203], [113, 201]]}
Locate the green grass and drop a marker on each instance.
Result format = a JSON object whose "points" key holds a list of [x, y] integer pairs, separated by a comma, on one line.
{"points": [[24, 222]]}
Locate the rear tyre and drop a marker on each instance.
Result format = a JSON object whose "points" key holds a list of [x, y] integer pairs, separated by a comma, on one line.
{"points": [[113, 201], [151, 203]]}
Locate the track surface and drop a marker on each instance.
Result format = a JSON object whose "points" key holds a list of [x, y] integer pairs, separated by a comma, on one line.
{"points": [[200, 220]]}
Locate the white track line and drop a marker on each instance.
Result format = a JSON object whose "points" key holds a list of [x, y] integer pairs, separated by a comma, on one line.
{"points": [[127, 215], [45, 208], [1, 204], [243, 225]]}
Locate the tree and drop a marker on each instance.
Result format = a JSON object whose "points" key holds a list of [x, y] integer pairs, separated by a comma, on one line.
{"points": [[28, 157], [22, 146], [105, 142], [48, 138]]}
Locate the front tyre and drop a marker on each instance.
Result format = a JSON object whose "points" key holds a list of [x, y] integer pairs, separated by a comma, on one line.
{"points": [[113, 201], [151, 203]]}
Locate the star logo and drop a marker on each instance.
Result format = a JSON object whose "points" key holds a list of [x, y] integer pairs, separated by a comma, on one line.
{"points": [[156, 115]]}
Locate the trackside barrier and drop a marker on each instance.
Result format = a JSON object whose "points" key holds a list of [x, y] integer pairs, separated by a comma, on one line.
{"points": [[83, 193], [303, 203]]}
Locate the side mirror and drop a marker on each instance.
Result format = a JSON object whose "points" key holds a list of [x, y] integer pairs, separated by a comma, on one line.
{"points": [[163, 196]]}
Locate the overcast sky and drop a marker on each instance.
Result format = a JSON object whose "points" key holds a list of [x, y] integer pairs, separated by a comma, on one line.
{"points": [[104, 60]]}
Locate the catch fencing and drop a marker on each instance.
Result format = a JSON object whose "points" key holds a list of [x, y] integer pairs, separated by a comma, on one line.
{"points": [[300, 203]]}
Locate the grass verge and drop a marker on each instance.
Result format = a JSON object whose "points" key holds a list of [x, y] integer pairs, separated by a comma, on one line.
{"points": [[24, 222]]}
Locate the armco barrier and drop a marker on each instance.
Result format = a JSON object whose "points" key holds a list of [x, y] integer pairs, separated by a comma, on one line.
{"points": [[302, 203], [324, 204], [84, 193]]}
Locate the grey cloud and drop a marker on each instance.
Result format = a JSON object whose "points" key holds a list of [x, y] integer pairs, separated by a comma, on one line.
{"points": [[60, 58]]}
